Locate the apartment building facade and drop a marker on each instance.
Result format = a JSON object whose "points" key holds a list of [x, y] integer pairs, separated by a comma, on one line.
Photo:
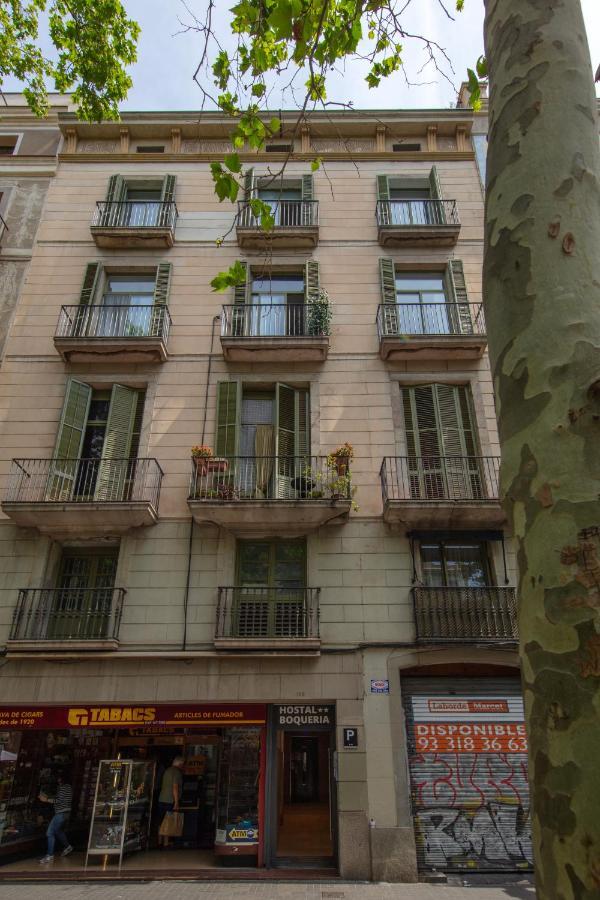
{"points": [[328, 639]]}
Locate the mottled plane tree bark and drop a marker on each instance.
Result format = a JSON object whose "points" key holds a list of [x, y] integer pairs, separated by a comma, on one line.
{"points": [[542, 304]]}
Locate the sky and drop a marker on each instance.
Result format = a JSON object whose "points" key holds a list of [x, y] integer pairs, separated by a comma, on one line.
{"points": [[168, 55]]}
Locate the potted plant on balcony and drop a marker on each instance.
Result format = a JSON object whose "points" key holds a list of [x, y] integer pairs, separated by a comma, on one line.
{"points": [[319, 315], [339, 459], [206, 462]]}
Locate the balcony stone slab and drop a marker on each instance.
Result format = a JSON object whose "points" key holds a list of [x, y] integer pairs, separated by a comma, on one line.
{"points": [[85, 520], [275, 349], [121, 350], [269, 518]]}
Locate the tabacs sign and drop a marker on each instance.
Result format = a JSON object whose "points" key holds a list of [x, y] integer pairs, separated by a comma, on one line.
{"points": [[305, 716]]}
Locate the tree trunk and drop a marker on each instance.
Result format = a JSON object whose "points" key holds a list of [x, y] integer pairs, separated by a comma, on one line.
{"points": [[542, 305]]}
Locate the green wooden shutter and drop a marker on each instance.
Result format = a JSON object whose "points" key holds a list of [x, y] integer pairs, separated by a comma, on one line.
{"points": [[115, 192], [162, 286], [69, 440], [311, 281], [460, 314], [308, 208], [292, 437], [249, 184], [303, 426], [435, 212], [387, 280], [116, 472], [227, 418], [167, 193], [241, 296], [116, 189], [241, 291], [425, 466], [90, 283], [383, 187]]}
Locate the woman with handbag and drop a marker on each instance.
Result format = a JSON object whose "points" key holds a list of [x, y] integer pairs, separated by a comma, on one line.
{"points": [[168, 803]]}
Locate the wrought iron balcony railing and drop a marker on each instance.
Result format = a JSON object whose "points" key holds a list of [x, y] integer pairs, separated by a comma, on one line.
{"points": [[435, 319], [270, 321], [265, 612], [465, 614], [84, 481], [67, 614], [286, 213], [438, 478], [135, 214], [3, 227], [116, 319], [416, 213], [252, 478]]}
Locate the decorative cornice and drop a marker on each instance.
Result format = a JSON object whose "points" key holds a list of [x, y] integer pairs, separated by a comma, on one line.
{"points": [[424, 155]]}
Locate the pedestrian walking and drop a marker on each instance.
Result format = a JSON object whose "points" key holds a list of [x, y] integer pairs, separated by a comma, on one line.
{"points": [[62, 811]]}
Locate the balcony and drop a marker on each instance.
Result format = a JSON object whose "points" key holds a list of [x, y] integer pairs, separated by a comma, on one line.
{"points": [[116, 332], [417, 223], [134, 223], [296, 226], [409, 331], [440, 492], [465, 615], [3, 229], [83, 497], [47, 619], [262, 618], [273, 333], [265, 496]]}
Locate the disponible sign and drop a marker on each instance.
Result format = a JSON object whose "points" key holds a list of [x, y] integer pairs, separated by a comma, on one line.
{"points": [[463, 737], [305, 716], [128, 716]]}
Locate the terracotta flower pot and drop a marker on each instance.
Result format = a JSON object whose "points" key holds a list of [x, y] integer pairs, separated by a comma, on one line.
{"points": [[201, 463], [341, 464], [218, 465]]}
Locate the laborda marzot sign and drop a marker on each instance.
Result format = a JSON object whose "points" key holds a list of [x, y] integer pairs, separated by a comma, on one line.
{"points": [[305, 716]]}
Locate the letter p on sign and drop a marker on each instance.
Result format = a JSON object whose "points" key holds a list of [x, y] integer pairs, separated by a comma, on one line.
{"points": [[350, 737]]}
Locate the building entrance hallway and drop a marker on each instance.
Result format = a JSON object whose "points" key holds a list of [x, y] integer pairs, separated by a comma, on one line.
{"points": [[304, 787]]}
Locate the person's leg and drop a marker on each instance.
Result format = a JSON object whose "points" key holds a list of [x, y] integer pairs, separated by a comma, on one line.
{"points": [[59, 833], [51, 835]]}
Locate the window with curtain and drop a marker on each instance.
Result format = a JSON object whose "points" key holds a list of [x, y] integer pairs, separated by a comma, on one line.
{"points": [[422, 303], [284, 213], [127, 306], [278, 304], [143, 206], [460, 564]]}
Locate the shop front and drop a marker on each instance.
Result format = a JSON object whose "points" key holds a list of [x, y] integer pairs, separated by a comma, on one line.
{"points": [[467, 754], [116, 759]]}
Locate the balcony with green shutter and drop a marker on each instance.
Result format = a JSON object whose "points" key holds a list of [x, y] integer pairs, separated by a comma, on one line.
{"points": [[427, 315], [263, 480], [136, 214], [109, 324], [412, 212], [283, 317], [293, 207]]}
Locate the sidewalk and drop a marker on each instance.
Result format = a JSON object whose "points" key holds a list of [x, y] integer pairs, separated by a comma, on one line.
{"points": [[177, 890]]}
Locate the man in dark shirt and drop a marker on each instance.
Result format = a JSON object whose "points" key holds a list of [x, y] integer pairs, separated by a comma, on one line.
{"points": [[62, 810], [170, 793]]}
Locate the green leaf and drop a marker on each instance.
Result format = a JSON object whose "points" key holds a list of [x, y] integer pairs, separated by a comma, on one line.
{"points": [[258, 89], [236, 274], [482, 67], [274, 125], [232, 161], [315, 164]]}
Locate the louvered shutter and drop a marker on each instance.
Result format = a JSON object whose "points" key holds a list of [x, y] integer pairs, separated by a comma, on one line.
{"points": [[311, 281], [387, 280], [167, 196], [383, 197], [240, 316], [162, 288], [437, 214], [249, 184], [116, 471], [460, 313], [85, 319], [425, 466], [308, 206], [115, 194], [285, 437], [69, 440], [227, 418]]}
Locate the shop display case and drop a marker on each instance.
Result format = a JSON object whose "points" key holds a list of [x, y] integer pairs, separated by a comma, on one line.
{"points": [[237, 793], [122, 808]]}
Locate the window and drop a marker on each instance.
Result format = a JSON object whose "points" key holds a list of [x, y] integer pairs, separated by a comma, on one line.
{"points": [[270, 600], [274, 304], [455, 563], [291, 200], [8, 144], [278, 304], [269, 430], [97, 443], [443, 461], [127, 305], [408, 200], [135, 203], [151, 149], [278, 148], [405, 148], [84, 595], [422, 303]]}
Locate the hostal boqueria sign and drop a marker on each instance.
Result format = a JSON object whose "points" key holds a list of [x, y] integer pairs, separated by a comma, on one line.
{"points": [[305, 716]]}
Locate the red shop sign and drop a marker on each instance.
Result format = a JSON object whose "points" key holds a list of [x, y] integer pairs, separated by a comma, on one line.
{"points": [[116, 715]]}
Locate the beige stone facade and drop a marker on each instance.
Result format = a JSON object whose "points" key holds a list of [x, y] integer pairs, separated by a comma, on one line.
{"points": [[362, 564]]}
